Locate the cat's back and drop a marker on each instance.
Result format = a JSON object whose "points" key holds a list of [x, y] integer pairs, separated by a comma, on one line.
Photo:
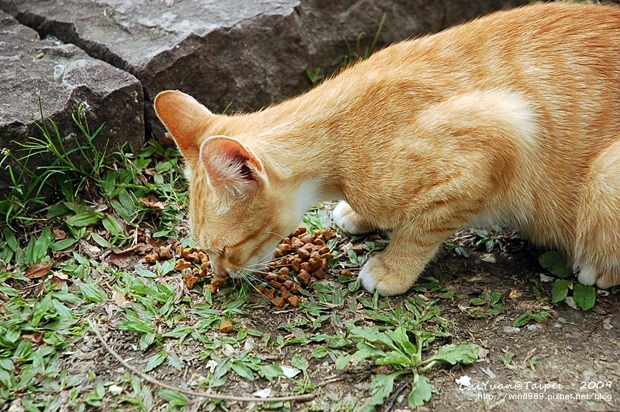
{"points": [[557, 37], [564, 58]]}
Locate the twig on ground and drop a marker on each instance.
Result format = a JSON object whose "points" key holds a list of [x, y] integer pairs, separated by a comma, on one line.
{"points": [[400, 390], [156, 382]]}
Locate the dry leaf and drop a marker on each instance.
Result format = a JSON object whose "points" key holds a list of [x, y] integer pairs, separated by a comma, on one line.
{"points": [[34, 338], [152, 203], [39, 270], [119, 299], [60, 234], [59, 279], [226, 326], [514, 294]]}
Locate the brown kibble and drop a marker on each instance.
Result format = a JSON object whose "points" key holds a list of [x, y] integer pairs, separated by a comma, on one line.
{"points": [[304, 277], [284, 247], [304, 266], [193, 257], [203, 257], [329, 234], [303, 253], [359, 248], [323, 250], [181, 264], [278, 253], [190, 280], [319, 242], [212, 288], [278, 302], [275, 284], [296, 243], [345, 272], [285, 293], [307, 238], [314, 254], [283, 272], [319, 273], [152, 258], [218, 280], [295, 264], [315, 263], [294, 288], [179, 250], [165, 252], [270, 293], [293, 300], [287, 284], [327, 256], [186, 251], [271, 277], [226, 326]]}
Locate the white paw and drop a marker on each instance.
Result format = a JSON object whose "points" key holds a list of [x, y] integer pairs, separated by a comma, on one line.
{"points": [[365, 276], [348, 220], [587, 275], [375, 276]]}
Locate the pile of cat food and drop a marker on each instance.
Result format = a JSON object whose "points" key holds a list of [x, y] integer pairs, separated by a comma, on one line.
{"points": [[299, 258]]}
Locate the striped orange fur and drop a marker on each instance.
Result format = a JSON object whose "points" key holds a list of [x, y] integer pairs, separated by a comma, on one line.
{"points": [[513, 118]]}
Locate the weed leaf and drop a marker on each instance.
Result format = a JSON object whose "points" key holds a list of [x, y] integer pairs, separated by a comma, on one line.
{"points": [[555, 263], [242, 370], [382, 386], [173, 397], [421, 391], [560, 290], [155, 360], [84, 219], [400, 337], [464, 353], [91, 291], [585, 296]]}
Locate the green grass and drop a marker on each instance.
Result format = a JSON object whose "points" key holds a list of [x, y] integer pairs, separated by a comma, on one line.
{"points": [[53, 281], [76, 260]]}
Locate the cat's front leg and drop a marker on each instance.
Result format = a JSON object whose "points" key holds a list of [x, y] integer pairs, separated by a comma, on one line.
{"points": [[349, 221], [396, 269]]}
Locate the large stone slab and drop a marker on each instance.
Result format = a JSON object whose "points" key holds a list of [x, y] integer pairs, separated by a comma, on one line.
{"points": [[237, 53], [62, 76]]}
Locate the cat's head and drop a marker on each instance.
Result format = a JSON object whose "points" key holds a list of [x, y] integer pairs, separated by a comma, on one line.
{"points": [[239, 207]]}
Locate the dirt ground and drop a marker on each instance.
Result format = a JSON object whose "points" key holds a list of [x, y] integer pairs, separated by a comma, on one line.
{"points": [[570, 361]]}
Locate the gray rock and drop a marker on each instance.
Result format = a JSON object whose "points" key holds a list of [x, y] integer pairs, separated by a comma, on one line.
{"points": [[238, 54], [62, 76]]}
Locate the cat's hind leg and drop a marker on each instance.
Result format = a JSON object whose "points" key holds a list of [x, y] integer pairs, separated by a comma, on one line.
{"points": [[349, 221], [597, 247]]}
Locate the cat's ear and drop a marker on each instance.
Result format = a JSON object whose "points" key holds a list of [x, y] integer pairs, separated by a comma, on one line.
{"points": [[231, 167], [185, 118]]}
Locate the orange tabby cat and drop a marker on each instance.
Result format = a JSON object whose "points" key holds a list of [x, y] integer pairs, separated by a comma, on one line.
{"points": [[513, 118]]}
